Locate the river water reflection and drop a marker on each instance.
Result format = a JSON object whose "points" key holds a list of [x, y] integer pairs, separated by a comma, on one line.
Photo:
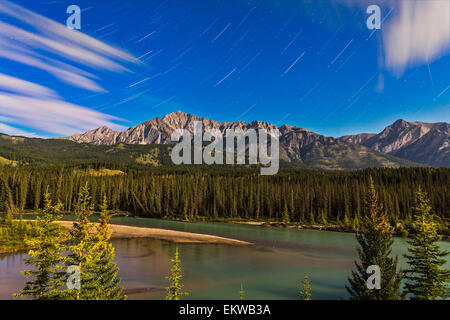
{"points": [[272, 269]]}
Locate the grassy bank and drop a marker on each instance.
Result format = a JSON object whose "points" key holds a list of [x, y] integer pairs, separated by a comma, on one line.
{"points": [[14, 233]]}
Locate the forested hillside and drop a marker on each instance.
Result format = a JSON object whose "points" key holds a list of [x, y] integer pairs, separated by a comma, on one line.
{"points": [[33, 151]]}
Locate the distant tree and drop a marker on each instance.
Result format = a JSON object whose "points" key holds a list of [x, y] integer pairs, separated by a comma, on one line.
{"points": [[286, 213], [174, 290], [375, 240], [44, 281], [305, 292], [311, 218], [347, 222], [242, 293], [426, 279], [355, 223], [6, 196]]}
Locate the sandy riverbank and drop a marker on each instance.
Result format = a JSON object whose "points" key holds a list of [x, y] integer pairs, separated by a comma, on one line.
{"points": [[120, 231]]}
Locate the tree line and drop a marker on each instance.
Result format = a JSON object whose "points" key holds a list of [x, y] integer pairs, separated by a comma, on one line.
{"points": [[302, 196]]}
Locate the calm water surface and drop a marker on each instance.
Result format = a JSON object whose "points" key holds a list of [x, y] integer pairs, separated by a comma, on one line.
{"points": [[272, 269]]}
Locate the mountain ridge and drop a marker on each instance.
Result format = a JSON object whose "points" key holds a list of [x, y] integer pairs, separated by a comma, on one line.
{"points": [[297, 144], [422, 142]]}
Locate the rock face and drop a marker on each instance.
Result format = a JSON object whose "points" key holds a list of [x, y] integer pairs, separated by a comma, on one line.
{"points": [[357, 138], [297, 145], [421, 142], [99, 136], [158, 131]]}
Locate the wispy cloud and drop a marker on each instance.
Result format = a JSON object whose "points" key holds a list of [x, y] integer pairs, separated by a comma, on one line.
{"points": [[69, 50], [36, 42], [55, 30], [54, 116], [12, 131], [419, 34], [25, 87], [415, 32]]}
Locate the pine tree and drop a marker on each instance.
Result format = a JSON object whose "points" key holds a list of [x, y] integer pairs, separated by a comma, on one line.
{"points": [[426, 279], [174, 291], [242, 293], [44, 279], [346, 220], [7, 196], [286, 213], [311, 218], [355, 223], [375, 240], [106, 270], [323, 217], [82, 252], [305, 292]]}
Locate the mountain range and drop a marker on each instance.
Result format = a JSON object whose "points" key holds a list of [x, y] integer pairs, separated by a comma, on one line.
{"points": [[426, 143], [400, 144]]}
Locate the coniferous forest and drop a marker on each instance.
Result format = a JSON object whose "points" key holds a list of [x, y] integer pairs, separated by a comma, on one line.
{"points": [[297, 196]]}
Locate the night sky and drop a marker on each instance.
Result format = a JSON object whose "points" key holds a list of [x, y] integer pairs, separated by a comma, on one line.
{"points": [[312, 64]]}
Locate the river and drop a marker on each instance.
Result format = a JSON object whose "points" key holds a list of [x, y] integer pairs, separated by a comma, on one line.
{"points": [[272, 269]]}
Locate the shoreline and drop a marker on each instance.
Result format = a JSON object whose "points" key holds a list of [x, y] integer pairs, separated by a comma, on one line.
{"points": [[332, 228], [317, 227], [129, 232]]}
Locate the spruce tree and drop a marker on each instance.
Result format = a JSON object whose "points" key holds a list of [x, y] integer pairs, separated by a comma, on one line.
{"points": [[242, 293], [174, 291], [311, 218], [355, 223], [44, 281], [375, 240], [425, 278], [286, 219], [81, 252], [106, 270], [305, 292]]}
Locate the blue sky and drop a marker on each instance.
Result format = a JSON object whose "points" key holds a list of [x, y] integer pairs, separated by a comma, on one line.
{"points": [[312, 64]]}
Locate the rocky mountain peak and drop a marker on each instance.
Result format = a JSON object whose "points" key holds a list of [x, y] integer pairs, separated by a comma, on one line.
{"points": [[417, 141], [400, 123], [426, 143], [177, 115], [103, 129]]}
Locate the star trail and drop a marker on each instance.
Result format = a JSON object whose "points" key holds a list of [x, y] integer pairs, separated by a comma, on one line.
{"points": [[313, 64]]}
